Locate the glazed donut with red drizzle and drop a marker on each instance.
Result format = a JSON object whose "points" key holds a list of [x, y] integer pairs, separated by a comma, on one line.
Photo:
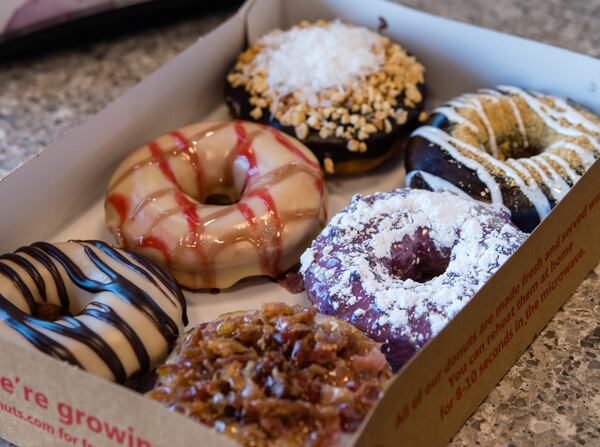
{"points": [[218, 202], [105, 310]]}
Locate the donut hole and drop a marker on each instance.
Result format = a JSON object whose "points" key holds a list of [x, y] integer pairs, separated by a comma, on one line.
{"points": [[516, 135], [49, 312], [231, 186], [512, 147], [220, 199], [416, 257], [222, 195]]}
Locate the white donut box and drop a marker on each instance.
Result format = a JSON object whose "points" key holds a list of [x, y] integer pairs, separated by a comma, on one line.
{"points": [[59, 195]]}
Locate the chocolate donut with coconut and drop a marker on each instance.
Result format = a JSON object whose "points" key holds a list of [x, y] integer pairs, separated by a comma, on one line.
{"points": [[346, 92], [399, 265], [507, 146]]}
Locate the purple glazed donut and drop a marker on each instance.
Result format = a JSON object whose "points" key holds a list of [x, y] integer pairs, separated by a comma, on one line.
{"points": [[399, 265]]}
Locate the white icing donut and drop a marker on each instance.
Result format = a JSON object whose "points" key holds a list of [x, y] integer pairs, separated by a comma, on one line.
{"points": [[156, 202], [127, 313]]}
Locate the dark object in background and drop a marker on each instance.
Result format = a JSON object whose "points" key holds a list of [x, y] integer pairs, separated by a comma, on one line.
{"points": [[35, 26]]}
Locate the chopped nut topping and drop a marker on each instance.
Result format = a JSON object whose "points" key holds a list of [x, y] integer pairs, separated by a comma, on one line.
{"points": [[362, 135], [329, 166], [298, 118], [301, 131], [256, 113], [325, 132], [314, 122], [353, 145], [369, 128], [387, 126], [401, 116]]}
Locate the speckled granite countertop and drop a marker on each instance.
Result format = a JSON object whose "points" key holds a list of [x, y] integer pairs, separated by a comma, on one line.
{"points": [[552, 394]]}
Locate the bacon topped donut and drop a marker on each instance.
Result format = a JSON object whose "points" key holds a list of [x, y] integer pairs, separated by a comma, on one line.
{"points": [[279, 376], [218, 202]]}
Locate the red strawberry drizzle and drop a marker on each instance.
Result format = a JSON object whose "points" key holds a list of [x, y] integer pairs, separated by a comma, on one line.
{"points": [[263, 252], [121, 205], [189, 210], [163, 163], [184, 145], [319, 185], [157, 244], [269, 203], [196, 228]]}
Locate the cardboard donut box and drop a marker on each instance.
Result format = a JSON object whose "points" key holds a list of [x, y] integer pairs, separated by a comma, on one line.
{"points": [[59, 194]]}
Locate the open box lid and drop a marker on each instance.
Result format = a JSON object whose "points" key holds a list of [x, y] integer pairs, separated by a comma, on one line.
{"points": [[73, 172]]}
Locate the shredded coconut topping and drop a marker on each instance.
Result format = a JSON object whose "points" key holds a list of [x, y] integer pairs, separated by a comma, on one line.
{"points": [[316, 58], [356, 273]]}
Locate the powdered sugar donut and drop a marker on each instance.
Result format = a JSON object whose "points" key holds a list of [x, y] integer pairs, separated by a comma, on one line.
{"points": [[399, 265]]}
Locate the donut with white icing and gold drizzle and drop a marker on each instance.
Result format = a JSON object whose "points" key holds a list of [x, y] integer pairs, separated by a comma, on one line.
{"points": [[105, 310], [163, 202], [508, 146], [350, 94]]}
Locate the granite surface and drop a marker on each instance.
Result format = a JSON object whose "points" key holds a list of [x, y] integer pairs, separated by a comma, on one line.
{"points": [[552, 394]]}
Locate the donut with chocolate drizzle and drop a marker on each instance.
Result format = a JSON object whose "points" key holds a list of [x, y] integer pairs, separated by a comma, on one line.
{"points": [[105, 310], [218, 202]]}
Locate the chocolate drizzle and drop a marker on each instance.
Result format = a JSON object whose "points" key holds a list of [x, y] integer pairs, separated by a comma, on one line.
{"points": [[18, 282], [51, 268], [31, 270], [40, 333], [12, 316], [105, 313]]}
